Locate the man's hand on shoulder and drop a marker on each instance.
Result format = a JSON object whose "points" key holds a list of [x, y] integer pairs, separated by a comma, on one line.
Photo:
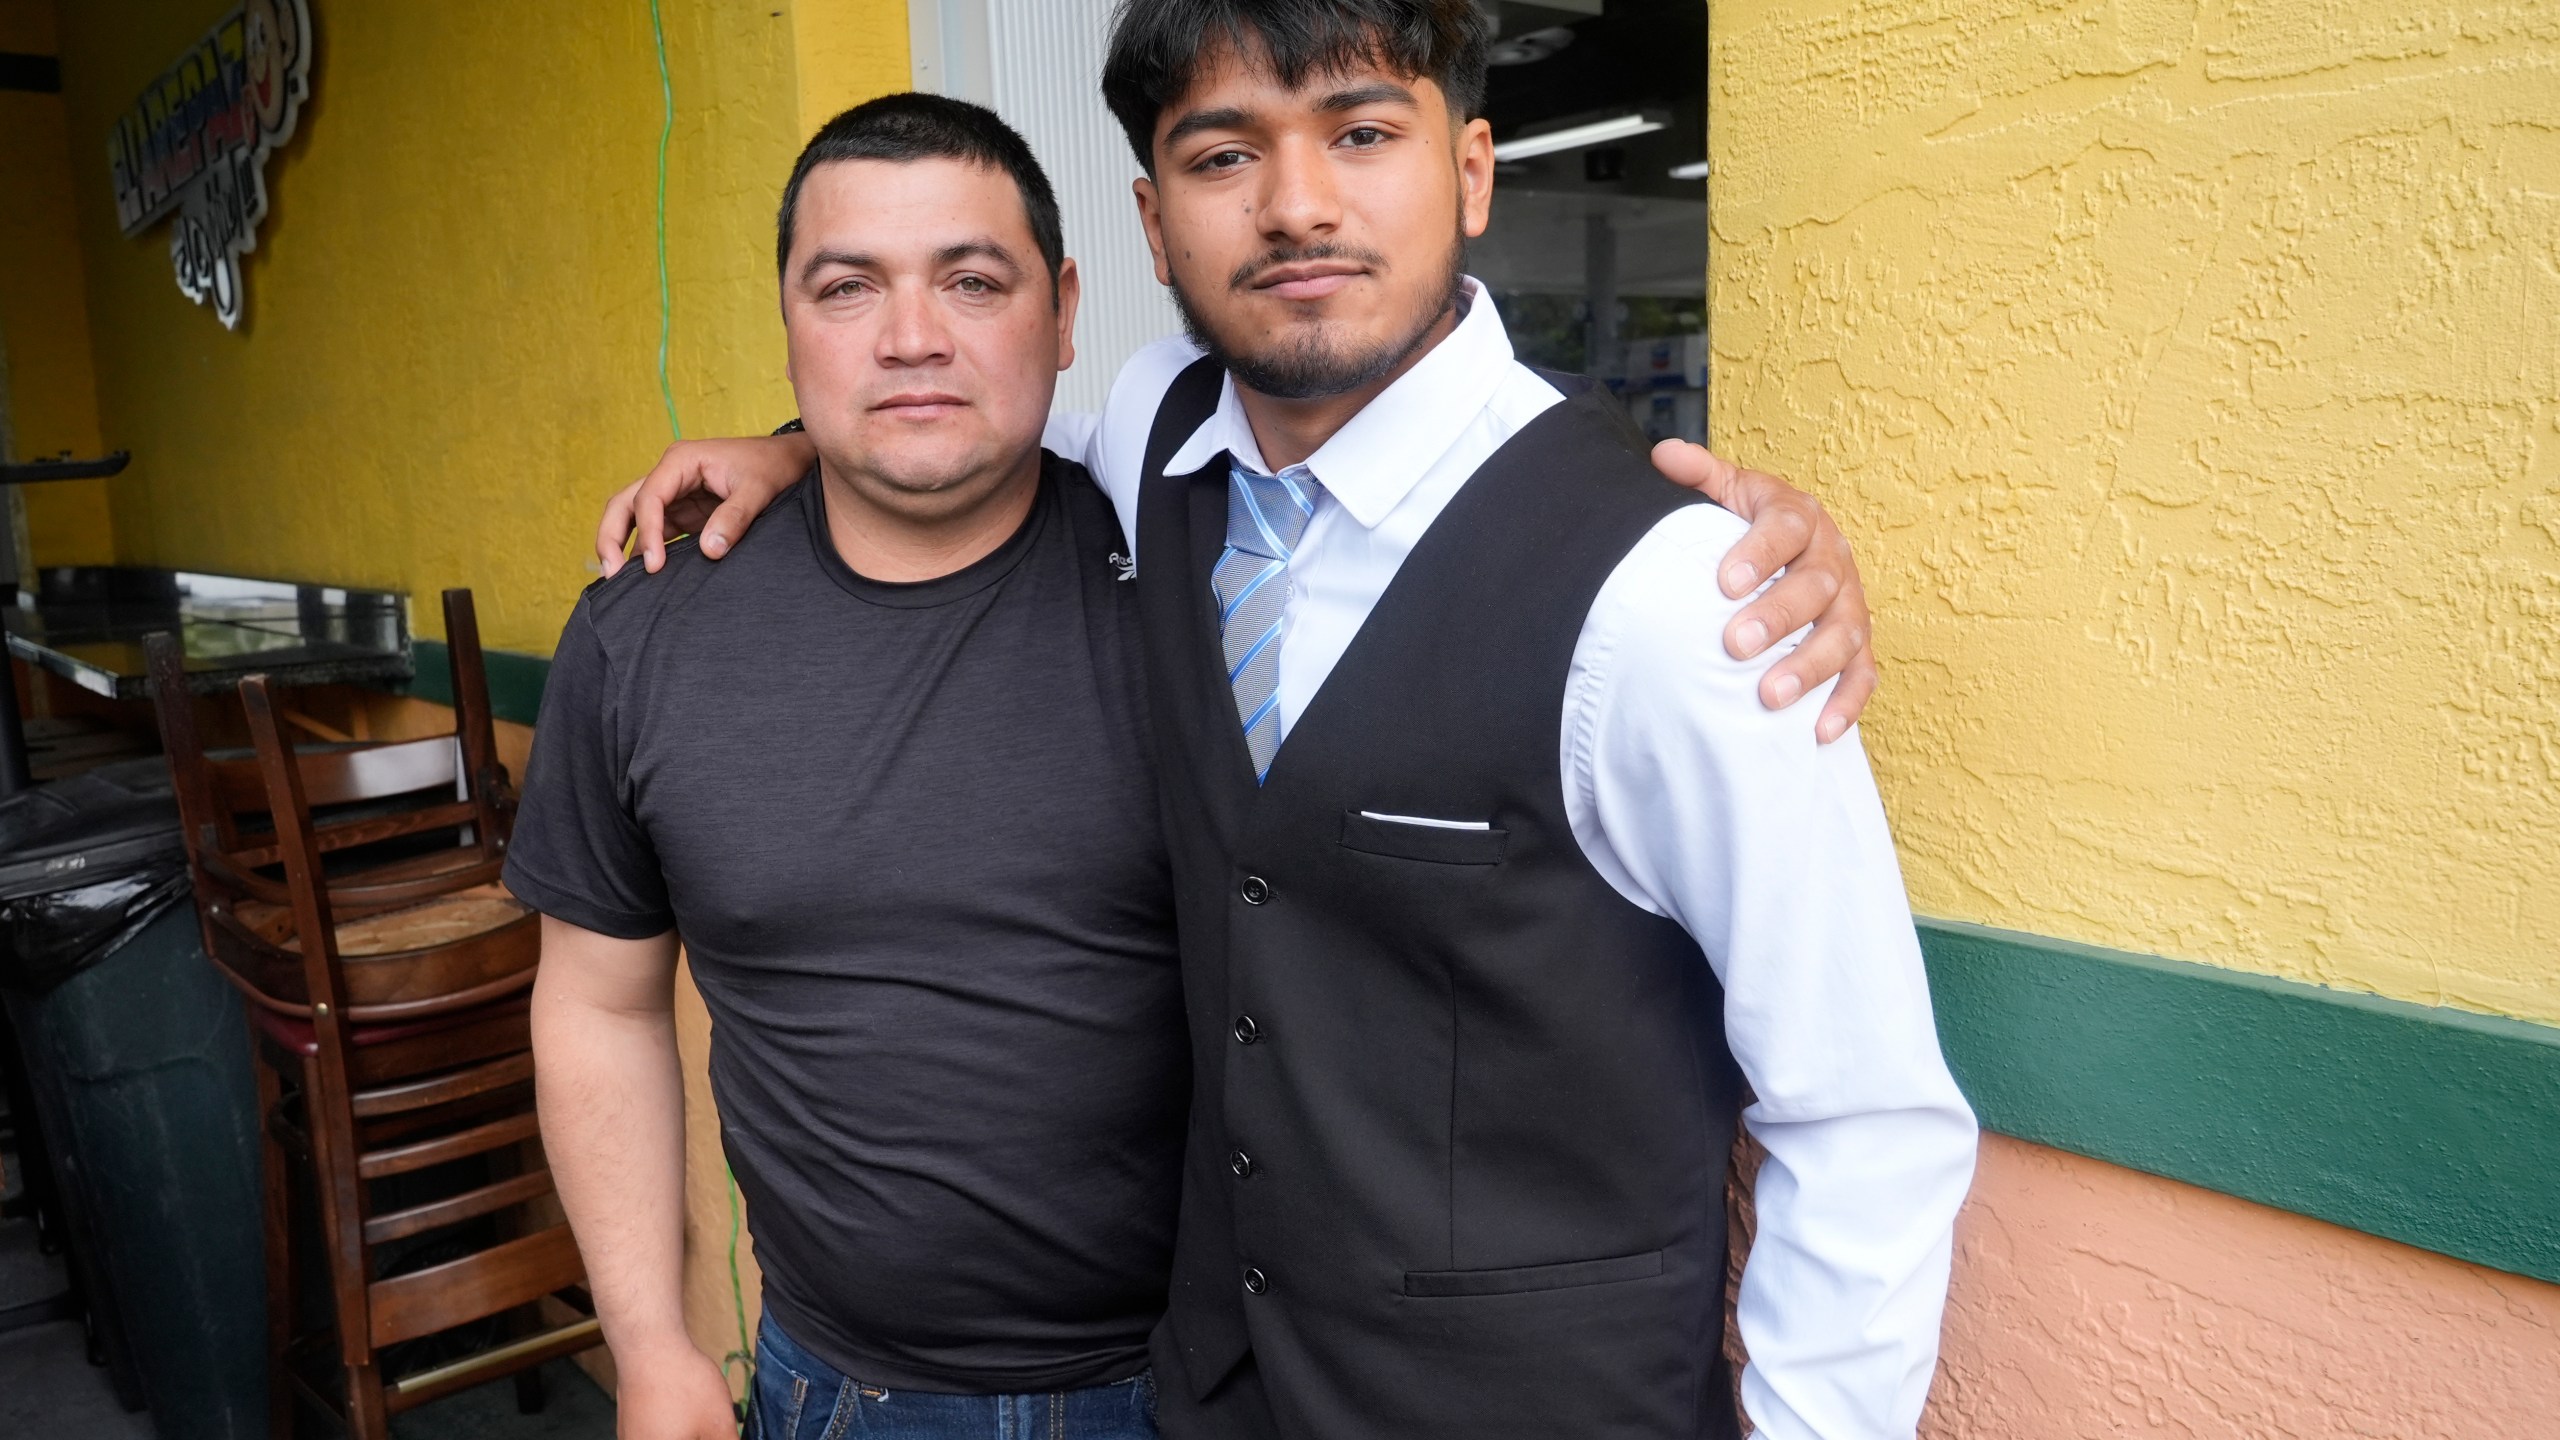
{"points": [[1790, 532], [671, 1392], [711, 488]]}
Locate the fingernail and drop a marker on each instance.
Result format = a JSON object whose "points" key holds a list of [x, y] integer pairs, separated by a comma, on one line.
{"points": [[1739, 576], [1753, 635], [1832, 728], [1786, 688], [714, 544]]}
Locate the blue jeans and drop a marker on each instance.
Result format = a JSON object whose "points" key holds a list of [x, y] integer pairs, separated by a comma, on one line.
{"points": [[800, 1397]]}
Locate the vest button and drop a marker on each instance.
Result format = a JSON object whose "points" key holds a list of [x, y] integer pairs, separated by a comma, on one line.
{"points": [[1246, 1031], [1256, 890], [1255, 1282], [1242, 1164]]}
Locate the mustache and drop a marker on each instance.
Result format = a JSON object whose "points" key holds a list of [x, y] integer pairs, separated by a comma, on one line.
{"points": [[1299, 255]]}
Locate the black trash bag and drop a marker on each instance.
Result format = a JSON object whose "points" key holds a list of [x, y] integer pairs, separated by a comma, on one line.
{"points": [[85, 864], [46, 939]]}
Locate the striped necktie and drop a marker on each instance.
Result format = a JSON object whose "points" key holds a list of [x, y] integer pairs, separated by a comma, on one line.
{"points": [[1265, 516]]}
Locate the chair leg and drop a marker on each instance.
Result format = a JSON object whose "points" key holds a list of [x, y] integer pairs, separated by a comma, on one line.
{"points": [[275, 1182], [333, 1165], [367, 1417], [523, 1321]]}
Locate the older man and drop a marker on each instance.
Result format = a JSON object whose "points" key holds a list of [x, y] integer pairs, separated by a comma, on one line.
{"points": [[883, 771]]}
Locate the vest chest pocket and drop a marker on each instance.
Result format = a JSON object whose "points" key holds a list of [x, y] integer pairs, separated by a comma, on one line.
{"points": [[1407, 837]]}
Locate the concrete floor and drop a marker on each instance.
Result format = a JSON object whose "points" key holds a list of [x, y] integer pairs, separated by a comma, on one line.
{"points": [[48, 1388]]}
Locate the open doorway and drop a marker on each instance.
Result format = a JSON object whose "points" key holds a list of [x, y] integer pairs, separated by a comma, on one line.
{"points": [[1598, 249]]}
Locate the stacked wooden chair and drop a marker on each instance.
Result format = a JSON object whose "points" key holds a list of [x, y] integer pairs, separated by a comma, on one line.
{"points": [[351, 893]]}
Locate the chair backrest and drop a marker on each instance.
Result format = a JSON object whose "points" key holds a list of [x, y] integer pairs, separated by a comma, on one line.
{"points": [[464, 1095], [214, 792], [285, 848]]}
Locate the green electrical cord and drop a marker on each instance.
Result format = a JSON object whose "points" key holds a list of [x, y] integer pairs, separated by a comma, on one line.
{"points": [[666, 298], [745, 1354]]}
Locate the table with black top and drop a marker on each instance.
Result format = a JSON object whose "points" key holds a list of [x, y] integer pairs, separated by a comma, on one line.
{"points": [[87, 623]]}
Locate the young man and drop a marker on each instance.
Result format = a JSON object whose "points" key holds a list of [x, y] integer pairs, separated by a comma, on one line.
{"points": [[1496, 886], [931, 915], [1495, 882]]}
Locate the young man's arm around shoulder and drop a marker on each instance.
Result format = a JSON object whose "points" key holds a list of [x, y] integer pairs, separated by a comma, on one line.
{"points": [[612, 1103], [715, 489], [1772, 851]]}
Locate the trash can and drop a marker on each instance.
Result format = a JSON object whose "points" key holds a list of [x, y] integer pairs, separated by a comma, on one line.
{"points": [[136, 1052]]}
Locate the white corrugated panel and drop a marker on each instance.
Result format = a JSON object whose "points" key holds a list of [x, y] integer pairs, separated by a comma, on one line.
{"points": [[1046, 63]]}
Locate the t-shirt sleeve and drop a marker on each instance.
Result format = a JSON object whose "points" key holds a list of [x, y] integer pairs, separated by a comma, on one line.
{"points": [[579, 854]]}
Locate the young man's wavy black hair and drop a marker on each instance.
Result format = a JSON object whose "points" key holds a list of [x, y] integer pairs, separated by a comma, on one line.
{"points": [[1158, 48], [911, 126]]}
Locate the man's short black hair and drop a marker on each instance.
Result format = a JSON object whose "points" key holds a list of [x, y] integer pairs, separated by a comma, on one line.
{"points": [[912, 126], [1159, 46]]}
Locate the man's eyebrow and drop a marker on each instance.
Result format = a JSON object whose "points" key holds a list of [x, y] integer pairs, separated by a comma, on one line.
{"points": [[1230, 117], [1226, 117], [982, 248], [1379, 92], [849, 259]]}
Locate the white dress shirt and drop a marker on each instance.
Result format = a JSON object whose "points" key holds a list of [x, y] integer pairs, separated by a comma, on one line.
{"points": [[1695, 803]]}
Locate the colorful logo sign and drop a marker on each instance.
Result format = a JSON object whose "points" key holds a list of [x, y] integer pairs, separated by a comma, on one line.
{"points": [[197, 143]]}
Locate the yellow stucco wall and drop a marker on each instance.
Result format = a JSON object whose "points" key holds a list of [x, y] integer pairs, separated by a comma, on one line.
{"points": [[850, 50], [51, 400], [2189, 376], [451, 341]]}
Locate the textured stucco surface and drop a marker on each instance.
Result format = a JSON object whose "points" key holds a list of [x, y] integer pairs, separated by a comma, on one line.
{"points": [[451, 343], [2091, 1301], [2189, 375], [849, 51]]}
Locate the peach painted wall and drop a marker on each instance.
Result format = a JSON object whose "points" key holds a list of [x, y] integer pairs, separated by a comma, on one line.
{"points": [[2096, 1301]]}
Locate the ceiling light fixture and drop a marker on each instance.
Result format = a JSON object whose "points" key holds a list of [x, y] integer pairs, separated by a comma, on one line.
{"points": [[1598, 132], [1694, 170]]}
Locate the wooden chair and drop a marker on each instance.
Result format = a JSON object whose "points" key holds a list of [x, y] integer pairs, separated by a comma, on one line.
{"points": [[350, 892]]}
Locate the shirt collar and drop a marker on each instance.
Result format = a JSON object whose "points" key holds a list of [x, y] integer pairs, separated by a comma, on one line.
{"points": [[1374, 461]]}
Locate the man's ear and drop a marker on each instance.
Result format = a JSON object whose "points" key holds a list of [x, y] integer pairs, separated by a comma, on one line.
{"points": [[1070, 290], [1475, 176], [1151, 220]]}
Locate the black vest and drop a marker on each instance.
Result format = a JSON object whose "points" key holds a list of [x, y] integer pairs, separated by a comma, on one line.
{"points": [[1461, 1113]]}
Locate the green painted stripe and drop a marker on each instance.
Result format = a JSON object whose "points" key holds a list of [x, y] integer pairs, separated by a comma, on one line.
{"points": [[2436, 1127], [515, 680], [2432, 1126]]}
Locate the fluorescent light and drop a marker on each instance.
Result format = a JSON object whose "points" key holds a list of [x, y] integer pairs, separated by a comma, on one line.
{"points": [[1598, 132], [1694, 170]]}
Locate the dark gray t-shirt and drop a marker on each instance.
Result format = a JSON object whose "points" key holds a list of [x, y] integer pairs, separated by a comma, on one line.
{"points": [[909, 836]]}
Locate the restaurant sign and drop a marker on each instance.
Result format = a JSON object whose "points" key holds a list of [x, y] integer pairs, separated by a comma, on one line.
{"points": [[197, 142]]}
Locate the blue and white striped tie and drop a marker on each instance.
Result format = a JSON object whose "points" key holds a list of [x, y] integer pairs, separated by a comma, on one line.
{"points": [[1265, 516]]}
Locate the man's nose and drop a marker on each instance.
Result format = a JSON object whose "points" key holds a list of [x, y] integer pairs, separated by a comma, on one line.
{"points": [[1300, 202], [912, 329]]}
